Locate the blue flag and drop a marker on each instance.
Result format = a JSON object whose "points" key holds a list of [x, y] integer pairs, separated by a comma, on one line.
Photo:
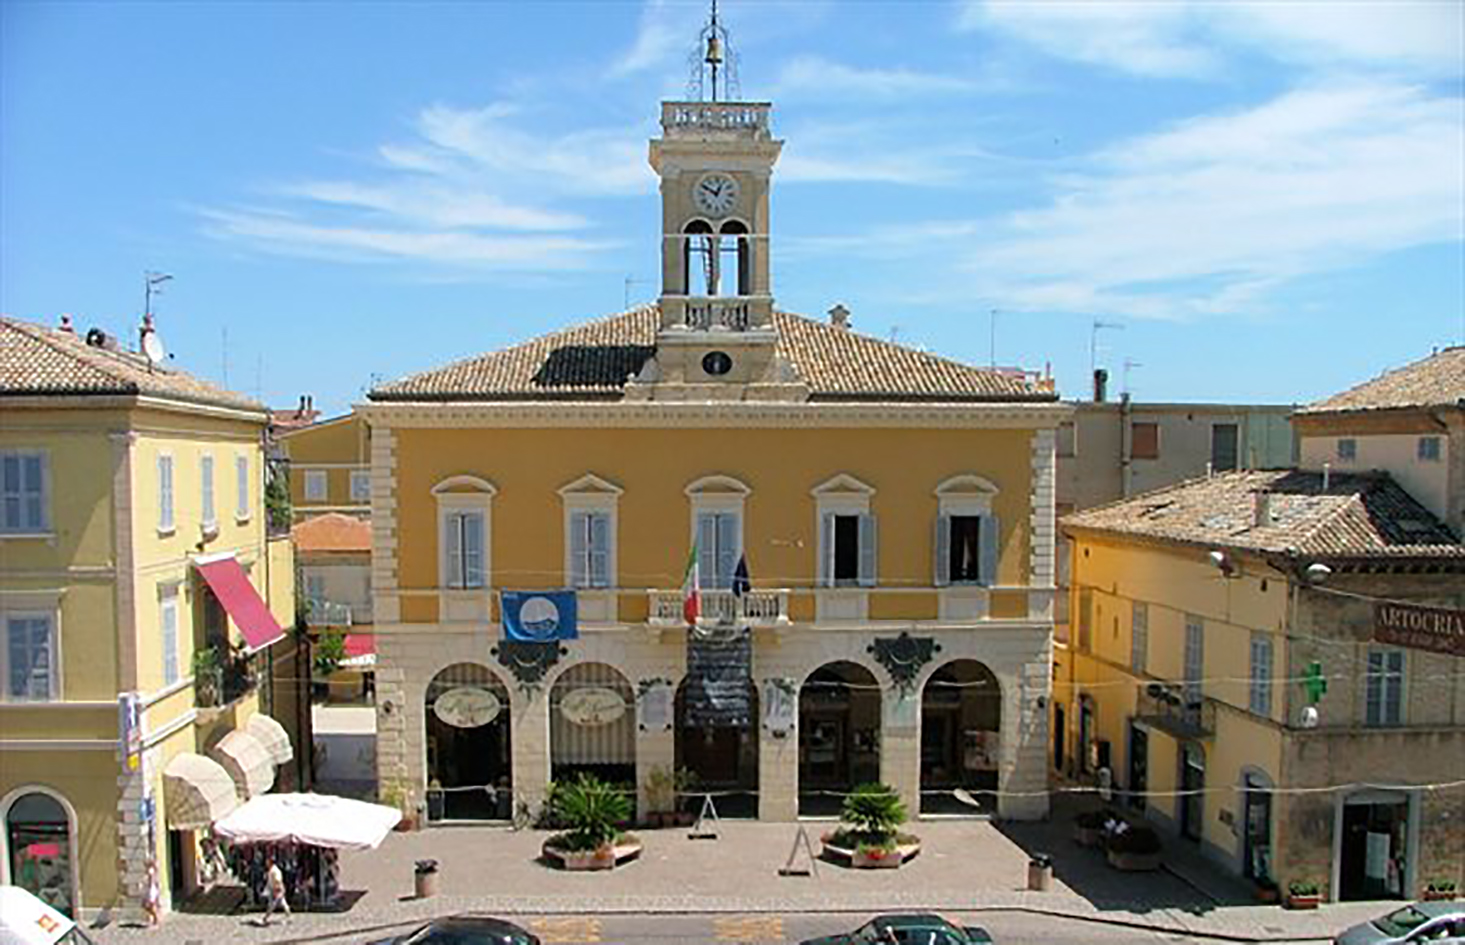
{"points": [[539, 616], [741, 583]]}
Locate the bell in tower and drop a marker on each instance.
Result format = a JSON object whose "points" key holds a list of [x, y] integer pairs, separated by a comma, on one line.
{"points": [[715, 159]]}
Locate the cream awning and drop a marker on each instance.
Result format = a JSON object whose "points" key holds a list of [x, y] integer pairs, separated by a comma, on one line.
{"points": [[273, 736], [196, 791], [248, 762]]}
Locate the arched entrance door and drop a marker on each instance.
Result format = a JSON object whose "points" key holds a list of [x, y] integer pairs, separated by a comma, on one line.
{"points": [[469, 767], [38, 844], [961, 732], [839, 735], [592, 725], [719, 750], [1192, 791]]}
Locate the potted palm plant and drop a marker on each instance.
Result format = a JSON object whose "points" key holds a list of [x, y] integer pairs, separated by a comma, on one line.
{"points": [[591, 811], [869, 835], [661, 796]]}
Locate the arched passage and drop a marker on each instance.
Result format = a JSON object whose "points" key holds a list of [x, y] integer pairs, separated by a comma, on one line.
{"points": [[961, 731], [592, 725], [38, 848], [719, 749], [839, 735], [469, 769]]}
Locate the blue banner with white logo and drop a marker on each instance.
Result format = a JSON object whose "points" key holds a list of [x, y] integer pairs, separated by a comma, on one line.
{"points": [[539, 616]]}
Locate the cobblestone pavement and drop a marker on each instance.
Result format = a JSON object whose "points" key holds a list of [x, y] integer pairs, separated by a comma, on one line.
{"points": [[966, 866]]}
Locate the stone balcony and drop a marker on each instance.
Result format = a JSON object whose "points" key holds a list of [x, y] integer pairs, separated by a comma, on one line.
{"points": [[716, 119], [715, 314], [756, 608]]}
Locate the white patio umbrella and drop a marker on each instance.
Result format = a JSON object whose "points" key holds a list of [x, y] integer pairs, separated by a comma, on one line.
{"points": [[321, 820]]}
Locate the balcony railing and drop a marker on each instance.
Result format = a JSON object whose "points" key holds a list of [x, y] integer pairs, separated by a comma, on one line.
{"points": [[219, 684], [756, 608], [713, 314], [1173, 709], [682, 118]]}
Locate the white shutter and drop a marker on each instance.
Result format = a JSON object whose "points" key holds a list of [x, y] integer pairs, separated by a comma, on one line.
{"points": [[472, 549], [170, 636], [579, 549], [943, 550], [452, 550], [826, 550], [241, 470], [206, 472], [165, 493], [867, 550], [707, 549], [727, 548], [599, 570], [989, 532]]}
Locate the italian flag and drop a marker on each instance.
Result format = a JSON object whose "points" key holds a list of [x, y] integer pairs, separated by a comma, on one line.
{"points": [[692, 589]]}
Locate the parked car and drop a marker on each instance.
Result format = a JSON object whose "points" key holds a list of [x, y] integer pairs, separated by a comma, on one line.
{"points": [[465, 930], [915, 929], [1434, 922]]}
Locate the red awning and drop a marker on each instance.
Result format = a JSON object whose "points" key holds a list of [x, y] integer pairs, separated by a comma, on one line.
{"points": [[242, 602], [360, 644]]}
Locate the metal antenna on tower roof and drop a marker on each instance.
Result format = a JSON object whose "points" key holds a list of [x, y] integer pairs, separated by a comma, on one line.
{"points": [[714, 73]]}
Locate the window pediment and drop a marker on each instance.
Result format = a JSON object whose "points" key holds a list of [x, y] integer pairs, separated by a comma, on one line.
{"points": [[718, 485], [464, 485], [591, 485], [842, 485], [967, 485]]}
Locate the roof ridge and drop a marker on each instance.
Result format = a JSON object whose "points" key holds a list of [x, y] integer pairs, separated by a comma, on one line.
{"points": [[890, 345]]}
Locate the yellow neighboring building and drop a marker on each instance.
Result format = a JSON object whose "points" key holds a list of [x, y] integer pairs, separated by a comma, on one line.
{"points": [[330, 467], [894, 510], [1206, 616], [134, 566]]}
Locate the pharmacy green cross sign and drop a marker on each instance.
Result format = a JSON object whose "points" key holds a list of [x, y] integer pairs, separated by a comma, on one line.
{"points": [[1314, 682]]}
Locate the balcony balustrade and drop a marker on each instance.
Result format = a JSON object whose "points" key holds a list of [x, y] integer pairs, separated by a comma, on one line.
{"points": [[756, 608], [326, 613], [701, 118], [1173, 709]]}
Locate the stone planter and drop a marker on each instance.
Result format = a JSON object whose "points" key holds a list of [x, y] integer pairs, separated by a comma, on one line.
{"points": [[588, 860], [1438, 895], [855, 859], [1134, 862], [1310, 901]]}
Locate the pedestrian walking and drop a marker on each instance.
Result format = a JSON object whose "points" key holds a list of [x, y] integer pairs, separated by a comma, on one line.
{"points": [[152, 902], [275, 879]]}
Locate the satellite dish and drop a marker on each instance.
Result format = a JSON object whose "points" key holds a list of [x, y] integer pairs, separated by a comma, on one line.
{"points": [[152, 348]]}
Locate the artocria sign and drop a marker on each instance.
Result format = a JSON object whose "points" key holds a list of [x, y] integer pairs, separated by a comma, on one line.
{"points": [[1422, 628]]}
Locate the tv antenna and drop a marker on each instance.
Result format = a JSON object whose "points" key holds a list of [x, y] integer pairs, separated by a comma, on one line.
{"points": [[1098, 326], [152, 285], [150, 341], [714, 64], [1129, 363]]}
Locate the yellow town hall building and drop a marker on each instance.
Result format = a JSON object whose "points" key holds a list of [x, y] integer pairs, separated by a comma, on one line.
{"points": [[893, 509]]}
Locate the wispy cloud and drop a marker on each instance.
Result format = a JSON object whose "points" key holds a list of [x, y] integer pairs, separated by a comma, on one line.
{"points": [[286, 235], [817, 77], [1193, 37], [1209, 215], [663, 36]]}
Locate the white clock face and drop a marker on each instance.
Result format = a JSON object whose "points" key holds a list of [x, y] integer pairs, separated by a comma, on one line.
{"points": [[715, 194]]}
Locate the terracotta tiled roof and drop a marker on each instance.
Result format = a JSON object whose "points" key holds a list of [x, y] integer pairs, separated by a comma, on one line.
{"points": [[35, 360], [1437, 380], [594, 360], [332, 532], [1358, 515]]}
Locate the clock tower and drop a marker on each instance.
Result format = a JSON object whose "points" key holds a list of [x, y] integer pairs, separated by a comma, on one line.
{"points": [[715, 159]]}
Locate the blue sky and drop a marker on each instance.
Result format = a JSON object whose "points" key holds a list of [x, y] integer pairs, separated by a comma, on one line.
{"points": [[1268, 197]]}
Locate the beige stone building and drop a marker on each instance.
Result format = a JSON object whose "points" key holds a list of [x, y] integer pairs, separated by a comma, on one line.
{"points": [[894, 510], [1410, 422]]}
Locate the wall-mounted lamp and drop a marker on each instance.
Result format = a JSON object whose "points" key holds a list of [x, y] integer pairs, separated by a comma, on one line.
{"points": [[1317, 572], [388, 707], [1223, 563], [1309, 716]]}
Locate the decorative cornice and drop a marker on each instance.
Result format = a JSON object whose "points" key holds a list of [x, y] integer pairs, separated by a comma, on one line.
{"points": [[903, 657], [426, 414]]}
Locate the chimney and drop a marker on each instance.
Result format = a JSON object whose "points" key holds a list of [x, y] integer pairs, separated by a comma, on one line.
{"points": [[1261, 508], [1101, 385], [839, 317], [66, 323]]}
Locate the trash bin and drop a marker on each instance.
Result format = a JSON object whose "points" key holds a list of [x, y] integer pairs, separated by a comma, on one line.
{"points": [[1040, 872], [425, 878]]}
